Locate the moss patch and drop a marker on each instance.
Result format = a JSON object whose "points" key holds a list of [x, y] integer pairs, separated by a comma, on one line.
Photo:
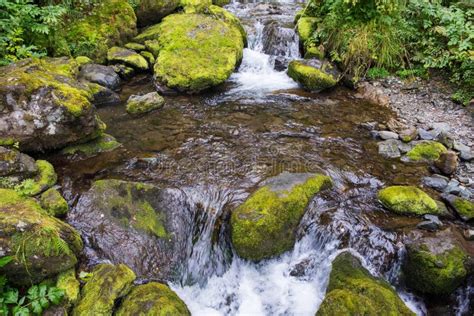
{"points": [[53, 202], [407, 200], [264, 225], [143, 104], [103, 143], [353, 291], [306, 27], [434, 272], [128, 57], [45, 179], [315, 77], [426, 150], [152, 299], [70, 285], [464, 208], [108, 283]]}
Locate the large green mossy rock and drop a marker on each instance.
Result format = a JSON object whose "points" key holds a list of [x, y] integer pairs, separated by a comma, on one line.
{"points": [[107, 284], [153, 221], [42, 246], [265, 224], [426, 150], [109, 23], [43, 106], [352, 290], [127, 57], [194, 51], [408, 200], [314, 74], [150, 12], [152, 299], [435, 265]]}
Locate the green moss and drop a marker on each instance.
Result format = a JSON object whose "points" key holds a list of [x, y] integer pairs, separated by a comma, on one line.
{"points": [[45, 179], [221, 3], [311, 51], [264, 225], [108, 283], [128, 57], [152, 299], [144, 104], [464, 208], [53, 202], [83, 60], [70, 285], [149, 57], [111, 22], [407, 200], [41, 245], [7, 141], [135, 46], [153, 47], [224, 15], [426, 150], [435, 272], [101, 144], [306, 27], [353, 291], [194, 51], [310, 77]]}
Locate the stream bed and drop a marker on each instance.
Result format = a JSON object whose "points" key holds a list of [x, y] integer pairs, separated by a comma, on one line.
{"points": [[217, 147]]}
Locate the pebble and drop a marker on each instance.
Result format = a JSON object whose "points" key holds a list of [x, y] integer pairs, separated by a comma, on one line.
{"points": [[447, 162], [431, 223], [425, 135], [465, 152], [385, 135]]}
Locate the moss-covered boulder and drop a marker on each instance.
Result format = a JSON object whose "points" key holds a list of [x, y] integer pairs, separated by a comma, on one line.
{"points": [[42, 246], [127, 57], [408, 200], [109, 23], [463, 207], [314, 74], [107, 284], [68, 282], [150, 12], [352, 290], [102, 144], [44, 180], [140, 104], [43, 106], [155, 223], [435, 265], [53, 203], [426, 150], [265, 224], [194, 51], [152, 299]]}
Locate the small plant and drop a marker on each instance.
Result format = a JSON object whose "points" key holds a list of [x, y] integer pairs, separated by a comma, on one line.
{"points": [[377, 73], [36, 299]]}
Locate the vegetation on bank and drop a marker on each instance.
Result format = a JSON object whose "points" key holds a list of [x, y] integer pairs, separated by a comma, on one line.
{"points": [[408, 37]]}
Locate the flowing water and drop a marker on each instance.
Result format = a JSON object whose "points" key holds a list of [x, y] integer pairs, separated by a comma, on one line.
{"points": [[216, 148]]}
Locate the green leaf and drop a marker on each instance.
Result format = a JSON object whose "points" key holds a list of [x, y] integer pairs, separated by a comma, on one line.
{"points": [[55, 295], [11, 296], [5, 260]]}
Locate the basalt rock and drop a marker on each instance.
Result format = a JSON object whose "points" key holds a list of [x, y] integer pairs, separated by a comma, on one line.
{"points": [[154, 222]]}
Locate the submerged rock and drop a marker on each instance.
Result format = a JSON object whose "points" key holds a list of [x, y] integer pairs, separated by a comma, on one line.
{"points": [[108, 283], [196, 51], [408, 200], [352, 290], [100, 74], [154, 222], [426, 150], [389, 148], [43, 106], [102, 144], [127, 57], [152, 299], [313, 74], [264, 225], [150, 12], [42, 246], [435, 265], [140, 104]]}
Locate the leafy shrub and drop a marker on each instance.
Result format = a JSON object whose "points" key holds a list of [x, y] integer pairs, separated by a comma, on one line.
{"points": [[377, 73], [37, 298]]}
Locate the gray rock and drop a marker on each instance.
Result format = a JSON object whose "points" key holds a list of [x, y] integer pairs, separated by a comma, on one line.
{"points": [[408, 134], [446, 139], [150, 12], [389, 148], [426, 135], [105, 97], [139, 104], [465, 152], [404, 147], [15, 164], [452, 187], [102, 75], [385, 135], [436, 182], [431, 223], [439, 128]]}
